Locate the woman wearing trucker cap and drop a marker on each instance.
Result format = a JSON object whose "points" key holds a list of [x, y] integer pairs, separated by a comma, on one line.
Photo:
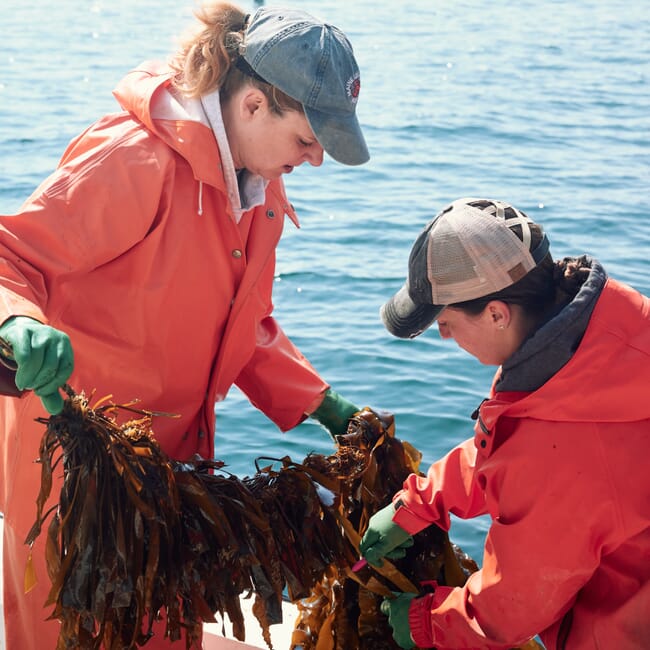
{"points": [[558, 456], [150, 253]]}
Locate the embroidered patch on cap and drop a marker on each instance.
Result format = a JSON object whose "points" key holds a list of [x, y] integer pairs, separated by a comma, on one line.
{"points": [[352, 87]]}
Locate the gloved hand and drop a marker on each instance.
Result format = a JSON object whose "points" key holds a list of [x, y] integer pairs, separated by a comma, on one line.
{"points": [[384, 538], [397, 610], [44, 358], [334, 413]]}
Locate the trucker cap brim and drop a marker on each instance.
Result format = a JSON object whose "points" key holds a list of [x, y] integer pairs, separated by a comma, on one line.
{"points": [[406, 319]]}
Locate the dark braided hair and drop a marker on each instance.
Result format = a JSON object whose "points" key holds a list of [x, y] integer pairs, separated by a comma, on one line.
{"points": [[569, 274]]}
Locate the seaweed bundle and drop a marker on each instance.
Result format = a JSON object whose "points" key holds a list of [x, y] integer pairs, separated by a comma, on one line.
{"points": [[137, 537], [342, 612]]}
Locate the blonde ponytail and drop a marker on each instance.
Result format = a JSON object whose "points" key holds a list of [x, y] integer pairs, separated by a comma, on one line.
{"points": [[206, 54]]}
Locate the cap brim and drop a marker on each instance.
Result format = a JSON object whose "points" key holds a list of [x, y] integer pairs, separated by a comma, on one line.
{"points": [[404, 318], [339, 135]]}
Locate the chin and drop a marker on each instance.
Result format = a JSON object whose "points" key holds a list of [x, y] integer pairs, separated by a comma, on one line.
{"points": [[270, 175], [490, 362]]}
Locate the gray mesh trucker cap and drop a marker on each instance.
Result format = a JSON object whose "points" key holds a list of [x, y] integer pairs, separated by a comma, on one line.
{"points": [[313, 63], [473, 248]]}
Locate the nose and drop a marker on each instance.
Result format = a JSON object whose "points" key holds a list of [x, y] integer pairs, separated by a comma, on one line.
{"points": [[314, 155], [444, 330]]}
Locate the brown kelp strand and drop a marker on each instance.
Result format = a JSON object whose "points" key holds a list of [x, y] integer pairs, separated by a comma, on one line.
{"points": [[137, 537]]}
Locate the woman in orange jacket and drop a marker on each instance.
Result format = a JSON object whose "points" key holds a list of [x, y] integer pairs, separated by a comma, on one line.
{"points": [[558, 456], [150, 254]]}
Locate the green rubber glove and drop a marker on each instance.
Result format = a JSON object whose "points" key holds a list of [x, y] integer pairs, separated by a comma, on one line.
{"points": [[397, 610], [334, 413], [384, 538], [44, 358]]}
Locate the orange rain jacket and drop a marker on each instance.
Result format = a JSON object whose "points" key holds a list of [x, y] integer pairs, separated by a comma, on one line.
{"points": [[130, 248], [562, 471]]}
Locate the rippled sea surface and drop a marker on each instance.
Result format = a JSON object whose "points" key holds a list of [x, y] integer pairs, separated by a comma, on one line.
{"points": [[543, 104]]}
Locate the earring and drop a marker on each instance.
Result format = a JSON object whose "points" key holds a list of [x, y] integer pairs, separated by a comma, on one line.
{"points": [[502, 327]]}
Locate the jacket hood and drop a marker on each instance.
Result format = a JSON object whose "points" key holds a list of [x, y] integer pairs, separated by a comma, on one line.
{"points": [[602, 370], [146, 92], [547, 349]]}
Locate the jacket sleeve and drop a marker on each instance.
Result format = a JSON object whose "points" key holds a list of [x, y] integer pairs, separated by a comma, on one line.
{"points": [[87, 212], [552, 516], [449, 486], [279, 380]]}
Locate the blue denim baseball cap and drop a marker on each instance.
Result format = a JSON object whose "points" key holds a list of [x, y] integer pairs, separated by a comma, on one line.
{"points": [[312, 62]]}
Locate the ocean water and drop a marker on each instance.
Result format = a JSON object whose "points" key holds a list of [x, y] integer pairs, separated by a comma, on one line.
{"points": [[543, 104]]}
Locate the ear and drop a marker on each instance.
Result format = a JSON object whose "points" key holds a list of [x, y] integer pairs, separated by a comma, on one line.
{"points": [[499, 313], [252, 103]]}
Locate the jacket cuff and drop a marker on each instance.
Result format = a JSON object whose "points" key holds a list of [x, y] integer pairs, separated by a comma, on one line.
{"points": [[407, 519], [420, 621], [420, 624], [315, 403]]}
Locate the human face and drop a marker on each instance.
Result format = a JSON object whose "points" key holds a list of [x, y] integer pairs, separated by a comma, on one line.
{"points": [[271, 145], [487, 336]]}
